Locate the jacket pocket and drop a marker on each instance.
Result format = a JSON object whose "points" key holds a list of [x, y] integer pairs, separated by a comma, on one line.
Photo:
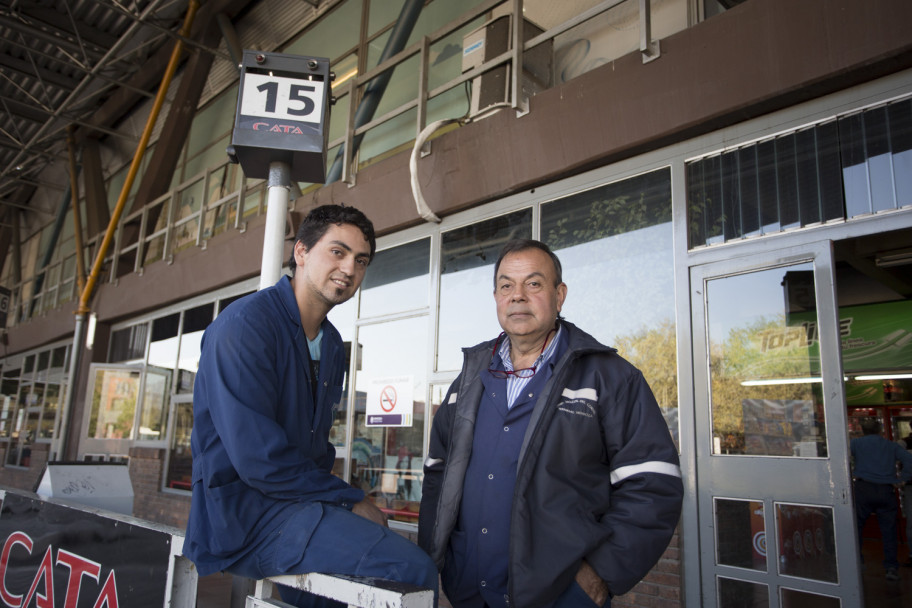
{"points": [[234, 509]]}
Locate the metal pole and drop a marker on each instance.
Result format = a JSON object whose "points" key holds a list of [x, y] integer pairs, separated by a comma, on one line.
{"points": [[279, 185]]}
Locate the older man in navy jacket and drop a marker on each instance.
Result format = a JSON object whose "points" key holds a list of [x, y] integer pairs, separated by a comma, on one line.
{"points": [[551, 479], [265, 501]]}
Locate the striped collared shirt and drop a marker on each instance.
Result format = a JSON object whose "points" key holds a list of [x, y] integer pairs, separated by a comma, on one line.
{"points": [[515, 384]]}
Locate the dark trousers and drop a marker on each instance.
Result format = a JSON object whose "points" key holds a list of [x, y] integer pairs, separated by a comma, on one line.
{"points": [[332, 540], [878, 499]]}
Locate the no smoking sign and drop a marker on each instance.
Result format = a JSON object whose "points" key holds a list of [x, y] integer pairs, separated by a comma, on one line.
{"points": [[389, 402]]}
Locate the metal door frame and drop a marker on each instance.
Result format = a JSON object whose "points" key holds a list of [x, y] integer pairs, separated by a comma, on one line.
{"points": [[835, 467]]}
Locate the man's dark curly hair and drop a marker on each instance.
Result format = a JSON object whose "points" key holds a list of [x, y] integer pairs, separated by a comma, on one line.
{"points": [[317, 222]]}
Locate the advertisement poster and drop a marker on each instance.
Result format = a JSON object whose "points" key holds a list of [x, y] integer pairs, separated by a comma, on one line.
{"points": [[389, 402]]}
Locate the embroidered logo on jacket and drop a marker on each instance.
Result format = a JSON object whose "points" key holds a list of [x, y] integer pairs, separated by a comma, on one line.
{"points": [[580, 402]]}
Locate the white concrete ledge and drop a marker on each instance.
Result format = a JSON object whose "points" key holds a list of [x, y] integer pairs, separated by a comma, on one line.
{"points": [[356, 591]]}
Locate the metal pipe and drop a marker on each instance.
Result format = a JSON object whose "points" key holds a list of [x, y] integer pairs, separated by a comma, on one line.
{"points": [[137, 160], [83, 308], [278, 183], [374, 90], [77, 215]]}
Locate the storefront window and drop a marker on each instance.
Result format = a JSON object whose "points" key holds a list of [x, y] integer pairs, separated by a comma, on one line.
{"points": [[164, 343], [764, 364], [615, 245], [343, 319], [397, 280], [128, 343], [390, 413], [154, 404], [9, 387], [114, 396], [467, 312], [196, 320], [180, 462]]}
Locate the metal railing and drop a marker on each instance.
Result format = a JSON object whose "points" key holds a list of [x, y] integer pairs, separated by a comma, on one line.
{"points": [[198, 208]]}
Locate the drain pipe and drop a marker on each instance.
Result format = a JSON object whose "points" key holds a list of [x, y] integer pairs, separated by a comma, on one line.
{"points": [[83, 309]]}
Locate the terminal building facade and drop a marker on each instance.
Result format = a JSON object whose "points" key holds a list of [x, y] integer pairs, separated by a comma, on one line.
{"points": [[728, 184]]}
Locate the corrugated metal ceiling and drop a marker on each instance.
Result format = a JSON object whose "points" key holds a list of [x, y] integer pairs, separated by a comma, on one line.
{"points": [[60, 61]]}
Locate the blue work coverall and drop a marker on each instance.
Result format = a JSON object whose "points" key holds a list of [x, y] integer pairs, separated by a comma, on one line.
{"points": [[265, 501]]}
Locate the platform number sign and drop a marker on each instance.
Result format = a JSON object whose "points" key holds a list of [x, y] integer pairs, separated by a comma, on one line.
{"points": [[281, 98], [282, 115]]}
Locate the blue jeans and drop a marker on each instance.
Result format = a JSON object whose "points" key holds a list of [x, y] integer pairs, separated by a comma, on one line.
{"points": [[879, 499], [324, 538]]}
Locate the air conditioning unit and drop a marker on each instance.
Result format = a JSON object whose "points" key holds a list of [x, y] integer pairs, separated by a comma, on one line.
{"points": [[491, 90]]}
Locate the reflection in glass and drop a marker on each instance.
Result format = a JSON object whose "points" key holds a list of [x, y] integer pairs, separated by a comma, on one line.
{"points": [[180, 463], [154, 404], [604, 238], [397, 280], [113, 403], [387, 461], [163, 346], [792, 598], [196, 320], [807, 547], [740, 533], [49, 415], [468, 254], [8, 389], [765, 364], [343, 319], [742, 594], [128, 343]]}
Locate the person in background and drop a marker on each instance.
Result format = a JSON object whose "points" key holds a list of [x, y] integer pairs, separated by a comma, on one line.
{"points": [[265, 501], [551, 479], [874, 460], [907, 504]]}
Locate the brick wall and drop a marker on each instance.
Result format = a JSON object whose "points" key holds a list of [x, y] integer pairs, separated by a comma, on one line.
{"points": [[149, 501], [27, 476]]}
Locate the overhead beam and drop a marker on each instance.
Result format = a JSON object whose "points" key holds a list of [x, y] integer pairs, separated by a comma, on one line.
{"points": [[62, 23], [26, 68], [34, 33]]}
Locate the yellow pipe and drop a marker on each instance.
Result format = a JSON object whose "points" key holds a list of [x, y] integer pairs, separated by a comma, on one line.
{"points": [[137, 160], [77, 216]]}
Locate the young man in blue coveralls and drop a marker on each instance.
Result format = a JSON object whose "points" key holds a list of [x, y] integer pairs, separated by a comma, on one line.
{"points": [[551, 478], [265, 501]]}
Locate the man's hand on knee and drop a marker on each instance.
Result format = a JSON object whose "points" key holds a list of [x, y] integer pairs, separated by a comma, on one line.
{"points": [[369, 510]]}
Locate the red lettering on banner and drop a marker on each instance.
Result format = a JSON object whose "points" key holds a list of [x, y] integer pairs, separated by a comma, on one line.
{"points": [[79, 566], [259, 126], [108, 594], [46, 572], [16, 538]]}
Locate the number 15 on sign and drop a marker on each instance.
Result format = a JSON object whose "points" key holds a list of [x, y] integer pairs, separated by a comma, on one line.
{"points": [[267, 96]]}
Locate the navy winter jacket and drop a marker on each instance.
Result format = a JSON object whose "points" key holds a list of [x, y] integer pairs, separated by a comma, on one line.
{"points": [[598, 474]]}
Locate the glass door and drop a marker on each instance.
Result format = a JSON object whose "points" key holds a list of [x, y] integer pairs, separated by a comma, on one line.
{"points": [[775, 509]]}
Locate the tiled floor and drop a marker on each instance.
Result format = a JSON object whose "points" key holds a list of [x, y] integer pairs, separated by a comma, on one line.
{"points": [[878, 591]]}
